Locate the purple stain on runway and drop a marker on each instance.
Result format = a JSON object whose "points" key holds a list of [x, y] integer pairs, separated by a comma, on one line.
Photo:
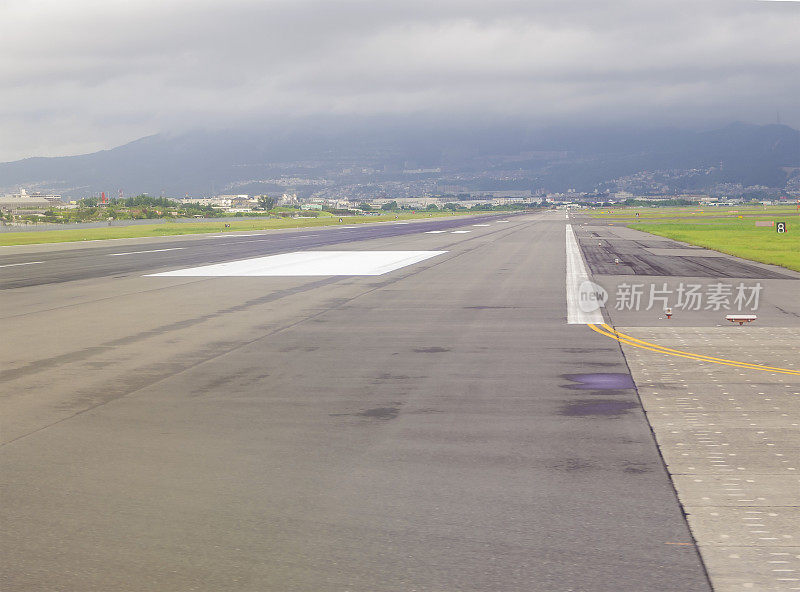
{"points": [[600, 382]]}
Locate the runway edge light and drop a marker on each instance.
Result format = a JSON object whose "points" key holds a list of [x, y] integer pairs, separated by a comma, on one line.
{"points": [[741, 318]]}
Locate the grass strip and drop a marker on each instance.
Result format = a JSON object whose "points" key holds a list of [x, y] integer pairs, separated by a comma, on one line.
{"points": [[739, 237], [692, 212], [201, 227]]}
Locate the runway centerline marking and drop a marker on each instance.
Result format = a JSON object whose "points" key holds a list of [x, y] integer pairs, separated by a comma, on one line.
{"points": [[435, 231], [308, 263], [576, 277], [481, 224], [608, 331], [460, 231], [150, 251], [17, 264]]}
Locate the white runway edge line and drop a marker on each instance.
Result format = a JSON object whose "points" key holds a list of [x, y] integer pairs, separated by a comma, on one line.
{"points": [[576, 275], [17, 264], [150, 251], [309, 263]]}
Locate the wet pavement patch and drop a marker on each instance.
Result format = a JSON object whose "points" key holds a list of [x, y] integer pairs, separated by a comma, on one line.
{"points": [[607, 393], [572, 464], [584, 350], [380, 413], [636, 468], [388, 376], [375, 413], [602, 364], [600, 381], [601, 407]]}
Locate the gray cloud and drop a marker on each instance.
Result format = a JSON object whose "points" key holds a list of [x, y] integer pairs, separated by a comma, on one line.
{"points": [[80, 75]]}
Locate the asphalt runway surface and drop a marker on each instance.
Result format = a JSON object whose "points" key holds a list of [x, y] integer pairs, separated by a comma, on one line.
{"points": [[606, 253], [436, 428], [65, 262]]}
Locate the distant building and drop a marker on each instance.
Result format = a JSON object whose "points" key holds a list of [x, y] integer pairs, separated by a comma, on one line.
{"points": [[219, 202], [700, 197], [29, 201], [422, 171], [508, 194], [452, 189], [288, 199]]}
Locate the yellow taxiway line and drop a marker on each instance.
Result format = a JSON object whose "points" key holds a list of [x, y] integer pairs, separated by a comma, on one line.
{"points": [[609, 331]]}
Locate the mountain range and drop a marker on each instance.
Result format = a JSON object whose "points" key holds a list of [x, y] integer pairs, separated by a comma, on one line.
{"points": [[303, 155]]}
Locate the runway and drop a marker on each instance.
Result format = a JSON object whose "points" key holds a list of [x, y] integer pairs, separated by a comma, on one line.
{"points": [[437, 427], [66, 262]]}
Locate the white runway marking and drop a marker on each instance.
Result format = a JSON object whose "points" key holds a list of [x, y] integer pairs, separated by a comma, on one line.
{"points": [[502, 221], [309, 263], [231, 235], [435, 231], [151, 251], [16, 264], [460, 231], [481, 224], [576, 286], [399, 223]]}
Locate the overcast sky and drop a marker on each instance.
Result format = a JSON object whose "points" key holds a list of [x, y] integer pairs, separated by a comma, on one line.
{"points": [[80, 75]]}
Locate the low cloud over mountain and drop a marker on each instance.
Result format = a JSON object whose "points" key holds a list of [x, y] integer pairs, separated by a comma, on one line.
{"points": [[369, 154], [82, 75]]}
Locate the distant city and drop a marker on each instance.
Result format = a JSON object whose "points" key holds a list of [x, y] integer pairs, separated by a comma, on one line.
{"points": [[27, 205], [419, 167]]}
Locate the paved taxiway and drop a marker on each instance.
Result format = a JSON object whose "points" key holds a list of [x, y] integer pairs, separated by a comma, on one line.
{"points": [[728, 432], [439, 427]]}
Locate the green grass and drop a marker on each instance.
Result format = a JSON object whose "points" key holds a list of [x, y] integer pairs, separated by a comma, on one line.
{"points": [[691, 212], [201, 227], [739, 237]]}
